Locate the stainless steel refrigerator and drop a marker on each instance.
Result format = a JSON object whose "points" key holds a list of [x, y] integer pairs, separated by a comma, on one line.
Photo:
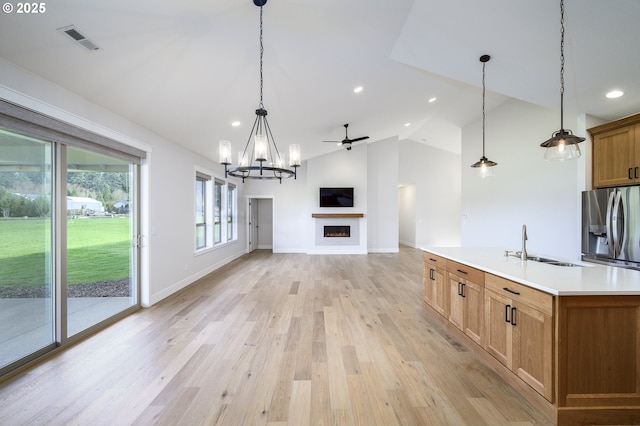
{"points": [[611, 226]]}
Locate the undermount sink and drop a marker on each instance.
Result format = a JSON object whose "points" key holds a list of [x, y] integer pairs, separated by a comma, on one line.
{"points": [[551, 261], [541, 259]]}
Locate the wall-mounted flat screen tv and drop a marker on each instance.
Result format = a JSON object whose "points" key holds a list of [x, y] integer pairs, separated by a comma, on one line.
{"points": [[336, 197]]}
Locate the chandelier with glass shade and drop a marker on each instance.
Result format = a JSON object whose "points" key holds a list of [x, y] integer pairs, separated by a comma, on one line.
{"points": [[260, 158]]}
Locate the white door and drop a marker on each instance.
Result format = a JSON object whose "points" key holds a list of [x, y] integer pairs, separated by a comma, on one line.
{"points": [[253, 224], [260, 225]]}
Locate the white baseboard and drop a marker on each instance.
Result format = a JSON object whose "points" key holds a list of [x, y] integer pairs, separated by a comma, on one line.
{"points": [[156, 297]]}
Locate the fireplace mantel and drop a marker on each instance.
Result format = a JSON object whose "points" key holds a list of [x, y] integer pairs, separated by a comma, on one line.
{"points": [[336, 215]]}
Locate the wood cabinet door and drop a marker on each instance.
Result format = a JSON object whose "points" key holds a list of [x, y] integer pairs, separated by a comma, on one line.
{"points": [[613, 156], [456, 299], [533, 348], [498, 340], [440, 289], [474, 312], [427, 284]]}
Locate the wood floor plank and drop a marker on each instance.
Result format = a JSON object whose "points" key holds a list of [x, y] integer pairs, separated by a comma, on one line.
{"points": [[274, 339]]}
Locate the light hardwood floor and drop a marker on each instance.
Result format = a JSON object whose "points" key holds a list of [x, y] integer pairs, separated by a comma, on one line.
{"points": [[275, 339]]}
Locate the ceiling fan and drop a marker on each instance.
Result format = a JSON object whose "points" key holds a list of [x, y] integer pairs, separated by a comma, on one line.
{"points": [[346, 142]]}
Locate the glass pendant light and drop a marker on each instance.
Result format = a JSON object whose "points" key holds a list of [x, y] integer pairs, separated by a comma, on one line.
{"points": [[563, 144], [484, 166]]}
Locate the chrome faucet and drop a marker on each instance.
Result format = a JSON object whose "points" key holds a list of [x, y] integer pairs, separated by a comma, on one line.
{"points": [[523, 253]]}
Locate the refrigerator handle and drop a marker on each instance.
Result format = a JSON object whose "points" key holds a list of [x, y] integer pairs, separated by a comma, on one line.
{"points": [[610, 235], [618, 224]]}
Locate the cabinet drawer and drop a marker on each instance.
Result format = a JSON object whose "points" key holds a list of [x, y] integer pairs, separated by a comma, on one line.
{"points": [[435, 260], [467, 272], [536, 299]]}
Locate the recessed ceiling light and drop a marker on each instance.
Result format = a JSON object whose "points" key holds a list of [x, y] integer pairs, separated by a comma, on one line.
{"points": [[614, 94], [236, 123], [358, 89], [431, 100], [407, 124]]}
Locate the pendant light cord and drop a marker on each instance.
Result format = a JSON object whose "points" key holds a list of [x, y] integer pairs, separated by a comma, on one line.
{"points": [[561, 65], [483, 116], [261, 54]]}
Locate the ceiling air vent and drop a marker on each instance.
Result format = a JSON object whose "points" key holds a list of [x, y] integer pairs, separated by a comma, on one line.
{"points": [[72, 32]]}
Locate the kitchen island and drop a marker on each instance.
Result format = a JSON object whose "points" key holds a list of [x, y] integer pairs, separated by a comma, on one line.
{"points": [[568, 337]]}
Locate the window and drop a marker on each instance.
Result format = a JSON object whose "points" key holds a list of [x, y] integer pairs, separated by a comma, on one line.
{"points": [[201, 210], [231, 212], [216, 213]]}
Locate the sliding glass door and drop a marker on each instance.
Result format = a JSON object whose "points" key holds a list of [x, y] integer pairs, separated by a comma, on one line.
{"points": [[26, 259], [101, 243], [68, 240]]}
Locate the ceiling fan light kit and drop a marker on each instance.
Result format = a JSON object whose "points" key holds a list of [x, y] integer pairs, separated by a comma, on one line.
{"points": [[260, 159], [484, 165], [563, 144]]}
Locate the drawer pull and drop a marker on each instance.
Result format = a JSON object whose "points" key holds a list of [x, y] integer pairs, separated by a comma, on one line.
{"points": [[511, 291], [462, 272], [433, 260]]}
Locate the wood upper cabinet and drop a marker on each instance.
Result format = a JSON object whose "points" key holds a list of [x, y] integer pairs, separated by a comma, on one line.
{"points": [[466, 299], [519, 331], [433, 283], [616, 152]]}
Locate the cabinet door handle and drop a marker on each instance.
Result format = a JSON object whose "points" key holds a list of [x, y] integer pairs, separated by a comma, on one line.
{"points": [[462, 272], [459, 291], [513, 316], [511, 291], [431, 274], [462, 290], [630, 172], [507, 310], [635, 172]]}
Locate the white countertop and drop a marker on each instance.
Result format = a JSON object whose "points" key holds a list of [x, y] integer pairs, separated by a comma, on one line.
{"points": [[590, 279]]}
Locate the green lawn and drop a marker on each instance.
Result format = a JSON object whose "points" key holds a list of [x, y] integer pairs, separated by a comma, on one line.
{"points": [[98, 250]]}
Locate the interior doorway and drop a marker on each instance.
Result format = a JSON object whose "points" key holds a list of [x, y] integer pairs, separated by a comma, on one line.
{"points": [[260, 223]]}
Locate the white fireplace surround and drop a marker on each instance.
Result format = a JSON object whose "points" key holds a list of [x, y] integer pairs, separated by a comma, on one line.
{"points": [[338, 245]]}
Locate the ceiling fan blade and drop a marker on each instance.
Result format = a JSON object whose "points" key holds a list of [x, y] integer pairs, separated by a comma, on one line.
{"points": [[359, 139], [332, 141]]}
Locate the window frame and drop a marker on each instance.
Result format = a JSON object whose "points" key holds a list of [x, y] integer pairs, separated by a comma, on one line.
{"points": [[201, 209], [221, 196]]}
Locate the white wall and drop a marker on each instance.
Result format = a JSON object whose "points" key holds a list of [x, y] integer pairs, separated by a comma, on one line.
{"points": [[340, 168], [169, 261], [292, 217], [436, 176], [525, 189], [265, 223], [407, 215], [382, 198]]}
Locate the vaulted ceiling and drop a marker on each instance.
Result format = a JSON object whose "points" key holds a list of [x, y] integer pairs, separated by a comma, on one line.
{"points": [[186, 69]]}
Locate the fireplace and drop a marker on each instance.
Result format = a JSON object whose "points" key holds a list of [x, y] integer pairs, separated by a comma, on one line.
{"points": [[341, 231]]}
